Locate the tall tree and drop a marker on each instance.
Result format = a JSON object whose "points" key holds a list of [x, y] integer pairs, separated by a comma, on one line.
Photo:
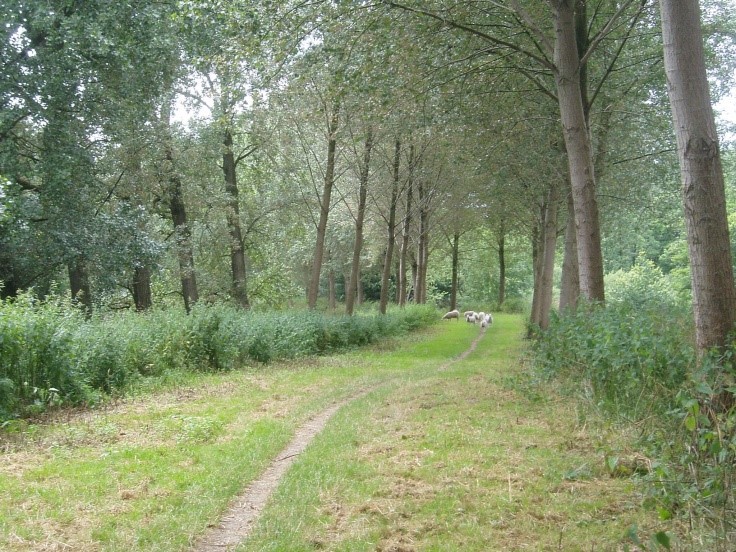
{"points": [[354, 282], [391, 223], [703, 192]]}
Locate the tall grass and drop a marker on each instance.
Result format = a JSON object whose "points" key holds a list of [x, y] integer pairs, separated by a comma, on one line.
{"points": [[50, 354]]}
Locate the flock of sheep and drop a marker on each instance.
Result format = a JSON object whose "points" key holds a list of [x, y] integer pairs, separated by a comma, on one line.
{"points": [[471, 317]]}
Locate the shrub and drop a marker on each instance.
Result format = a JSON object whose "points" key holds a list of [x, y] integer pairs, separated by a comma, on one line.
{"points": [[50, 354]]}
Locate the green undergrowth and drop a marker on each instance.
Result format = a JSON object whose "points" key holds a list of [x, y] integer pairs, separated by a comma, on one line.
{"points": [[635, 364], [50, 355], [443, 453]]}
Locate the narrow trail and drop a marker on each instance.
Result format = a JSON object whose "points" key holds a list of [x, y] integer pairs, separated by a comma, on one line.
{"points": [[238, 521], [240, 518]]}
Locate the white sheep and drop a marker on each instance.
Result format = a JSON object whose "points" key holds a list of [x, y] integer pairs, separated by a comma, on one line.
{"points": [[452, 314], [470, 317]]}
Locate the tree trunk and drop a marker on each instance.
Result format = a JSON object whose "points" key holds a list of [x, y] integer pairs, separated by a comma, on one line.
{"points": [[354, 285], [386, 276], [324, 211], [579, 150], [537, 256], [703, 193], [570, 283], [403, 285], [142, 288], [455, 262], [501, 268], [182, 233], [332, 294], [232, 214], [549, 247], [79, 284], [420, 290]]}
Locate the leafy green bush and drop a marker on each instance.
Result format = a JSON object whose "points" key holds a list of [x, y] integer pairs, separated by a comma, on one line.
{"points": [[51, 354], [622, 354]]}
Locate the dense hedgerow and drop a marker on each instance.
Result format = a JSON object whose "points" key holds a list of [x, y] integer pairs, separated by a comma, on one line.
{"points": [[635, 361], [50, 354]]}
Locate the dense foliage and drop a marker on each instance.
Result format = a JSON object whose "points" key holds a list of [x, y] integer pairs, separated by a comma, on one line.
{"points": [[50, 354], [635, 362]]}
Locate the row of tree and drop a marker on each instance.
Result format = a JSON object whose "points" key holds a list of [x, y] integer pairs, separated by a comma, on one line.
{"points": [[261, 152]]}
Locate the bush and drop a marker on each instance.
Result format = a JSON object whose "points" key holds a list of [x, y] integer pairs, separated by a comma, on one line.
{"points": [[623, 354], [50, 354]]}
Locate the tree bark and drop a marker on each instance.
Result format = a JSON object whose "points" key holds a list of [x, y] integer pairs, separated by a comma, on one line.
{"points": [[455, 262], [579, 150], [403, 285], [570, 283], [142, 288], [549, 248], [422, 247], [703, 192], [386, 276], [178, 212], [501, 268], [537, 256], [232, 215], [354, 283], [324, 211]]}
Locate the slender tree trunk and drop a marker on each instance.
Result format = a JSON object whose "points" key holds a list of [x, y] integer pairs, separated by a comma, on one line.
{"points": [[386, 276], [501, 268], [537, 257], [570, 284], [179, 216], [232, 212], [79, 284], [403, 285], [455, 262], [413, 294], [358, 246], [579, 150], [331, 290], [324, 209], [549, 245], [420, 289], [703, 192], [142, 288]]}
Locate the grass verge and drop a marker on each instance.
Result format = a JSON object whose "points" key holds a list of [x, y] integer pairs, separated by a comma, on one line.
{"points": [[465, 456]]}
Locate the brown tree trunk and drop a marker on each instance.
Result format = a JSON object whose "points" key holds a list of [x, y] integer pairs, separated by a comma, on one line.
{"points": [[79, 284], [570, 283], [537, 256], [455, 262], [420, 290], [386, 276], [549, 247], [182, 234], [232, 215], [703, 192], [501, 268], [354, 284], [579, 150], [403, 259], [324, 211], [142, 288], [331, 288]]}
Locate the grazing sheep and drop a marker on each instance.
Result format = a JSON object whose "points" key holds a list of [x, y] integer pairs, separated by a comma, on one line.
{"points": [[452, 314], [481, 316], [470, 317], [484, 323]]}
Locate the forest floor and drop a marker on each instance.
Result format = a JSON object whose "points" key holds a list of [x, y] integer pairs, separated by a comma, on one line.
{"points": [[440, 441]]}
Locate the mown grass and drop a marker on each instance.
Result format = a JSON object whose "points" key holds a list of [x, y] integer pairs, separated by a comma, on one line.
{"points": [[470, 455]]}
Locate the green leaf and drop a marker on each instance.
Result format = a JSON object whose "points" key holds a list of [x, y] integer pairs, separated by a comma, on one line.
{"points": [[690, 422], [663, 539]]}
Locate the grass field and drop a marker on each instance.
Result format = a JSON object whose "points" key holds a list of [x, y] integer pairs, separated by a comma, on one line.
{"points": [[438, 455]]}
